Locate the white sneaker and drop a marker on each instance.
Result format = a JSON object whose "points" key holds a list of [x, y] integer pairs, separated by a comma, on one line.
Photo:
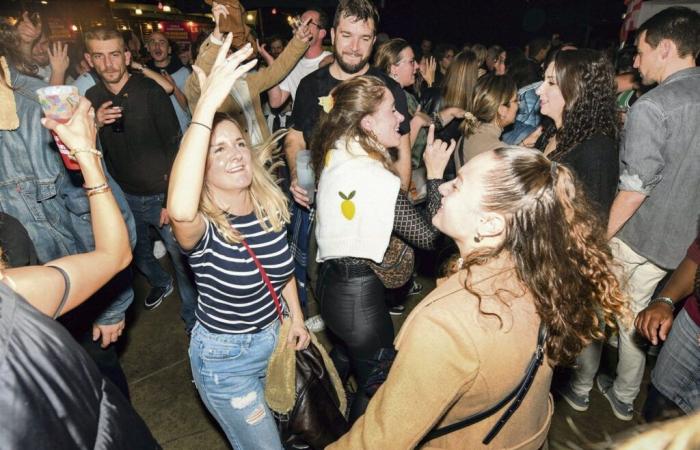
{"points": [[159, 249], [315, 323]]}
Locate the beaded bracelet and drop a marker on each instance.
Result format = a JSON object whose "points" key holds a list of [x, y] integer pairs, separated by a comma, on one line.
{"points": [[100, 190], [86, 150]]}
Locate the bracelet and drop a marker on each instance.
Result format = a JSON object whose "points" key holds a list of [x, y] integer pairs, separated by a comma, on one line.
{"points": [[201, 125], [436, 120], [100, 190], [92, 188], [94, 151], [666, 300]]}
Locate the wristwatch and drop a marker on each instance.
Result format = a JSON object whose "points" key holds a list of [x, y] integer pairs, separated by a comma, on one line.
{"points": [[667, 300]]}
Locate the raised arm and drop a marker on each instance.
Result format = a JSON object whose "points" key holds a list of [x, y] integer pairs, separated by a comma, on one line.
{"points": [[162, 81], [44, 287], [187, 177]]}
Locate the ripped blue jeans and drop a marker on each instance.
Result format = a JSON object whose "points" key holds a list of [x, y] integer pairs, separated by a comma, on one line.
{"points": [[229, 372]]}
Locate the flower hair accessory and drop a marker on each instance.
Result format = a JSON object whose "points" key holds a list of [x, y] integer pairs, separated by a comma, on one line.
{"points": [[470, 117], [326, 103]]}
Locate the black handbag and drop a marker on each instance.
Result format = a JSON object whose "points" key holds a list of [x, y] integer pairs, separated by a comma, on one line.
{"points": [[316, 419]]}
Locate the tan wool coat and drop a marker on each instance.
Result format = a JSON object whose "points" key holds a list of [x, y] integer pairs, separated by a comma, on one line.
{"points": [[257, 82], [455, 359]]}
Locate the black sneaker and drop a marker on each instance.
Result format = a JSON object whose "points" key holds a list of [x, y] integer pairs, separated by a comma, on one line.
{"points": [[397, 310], [156, 296], [416, 288]]}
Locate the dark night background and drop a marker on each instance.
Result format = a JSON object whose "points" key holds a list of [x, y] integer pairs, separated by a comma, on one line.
{"points": [[594, 23]]}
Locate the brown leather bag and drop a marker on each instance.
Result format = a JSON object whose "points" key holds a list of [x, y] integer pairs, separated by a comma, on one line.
{"points": [[397, 266]]}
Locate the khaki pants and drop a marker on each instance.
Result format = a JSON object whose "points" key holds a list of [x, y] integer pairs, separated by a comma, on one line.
{"points": [[639, 278]]}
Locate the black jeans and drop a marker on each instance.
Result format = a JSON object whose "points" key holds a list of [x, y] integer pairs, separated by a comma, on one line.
{"points": [[354, 309]]}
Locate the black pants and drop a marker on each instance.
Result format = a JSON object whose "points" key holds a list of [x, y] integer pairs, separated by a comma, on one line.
{"points": [[354, 309]]}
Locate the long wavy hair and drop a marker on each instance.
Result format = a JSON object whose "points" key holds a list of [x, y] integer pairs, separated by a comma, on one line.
{"points": [[587, 81], [269, 202], [490, 93], [10, 50], [559, 248], [460, 80], [352, 100]]}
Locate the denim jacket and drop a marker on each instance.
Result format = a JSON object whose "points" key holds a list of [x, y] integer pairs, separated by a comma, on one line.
{"points": [[30, 173], [35, 188]]}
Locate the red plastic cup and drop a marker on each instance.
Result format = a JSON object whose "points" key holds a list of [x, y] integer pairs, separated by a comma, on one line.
{"points": [[59, 103]]}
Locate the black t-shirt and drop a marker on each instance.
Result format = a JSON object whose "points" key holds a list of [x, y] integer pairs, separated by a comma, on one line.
{"points": [[140, 157], [319, 84]]}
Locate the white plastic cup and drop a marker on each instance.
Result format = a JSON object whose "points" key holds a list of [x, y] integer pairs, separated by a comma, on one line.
{"points": [[59, 103], [305, 174]]}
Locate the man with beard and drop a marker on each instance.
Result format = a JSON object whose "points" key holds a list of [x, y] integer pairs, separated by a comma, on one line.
{"points": [[139, 134], [172, 69], [353, 36]]}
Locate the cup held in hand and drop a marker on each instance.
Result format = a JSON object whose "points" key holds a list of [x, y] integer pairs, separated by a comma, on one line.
{"points": [[59, 103]]}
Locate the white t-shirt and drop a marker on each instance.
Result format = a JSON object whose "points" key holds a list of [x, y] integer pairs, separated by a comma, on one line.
{"points": [[304, 67]]}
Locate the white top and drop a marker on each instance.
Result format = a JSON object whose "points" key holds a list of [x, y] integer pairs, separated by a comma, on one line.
{"points": [[304, 67], [355, 204]]}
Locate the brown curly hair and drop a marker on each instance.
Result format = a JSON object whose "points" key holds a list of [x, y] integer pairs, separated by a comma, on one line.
{"points": [[559, 248], [587, 81], [353, 99]]}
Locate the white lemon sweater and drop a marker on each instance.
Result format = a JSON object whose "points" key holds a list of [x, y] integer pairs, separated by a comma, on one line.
{"points": [[354, 204]]}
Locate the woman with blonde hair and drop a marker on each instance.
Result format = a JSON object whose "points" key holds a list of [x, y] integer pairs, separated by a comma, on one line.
{"points": [[446, 104], [533, 285], [228, 215], [494, 107], [359, 207]]}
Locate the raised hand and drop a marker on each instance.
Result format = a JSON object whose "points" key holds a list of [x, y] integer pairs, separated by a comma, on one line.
{"points": [[226, 70], [427, 68], [79, 133], [302, 32], [28, 31], [264, 53], [437, 155], [58, 57], [218, 11]]}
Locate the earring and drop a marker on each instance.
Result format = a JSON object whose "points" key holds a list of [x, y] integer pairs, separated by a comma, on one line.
{"points": [[394, 76], [477, 238]]}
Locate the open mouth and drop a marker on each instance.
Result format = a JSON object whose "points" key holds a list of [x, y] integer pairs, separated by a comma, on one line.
{"points": [[234, 168]]}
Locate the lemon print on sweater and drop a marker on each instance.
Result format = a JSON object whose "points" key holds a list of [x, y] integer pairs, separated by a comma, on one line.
{"points": [[347, 207]]}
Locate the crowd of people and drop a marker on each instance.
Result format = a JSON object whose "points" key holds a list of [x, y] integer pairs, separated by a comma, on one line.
{"points": [[556, 187]]}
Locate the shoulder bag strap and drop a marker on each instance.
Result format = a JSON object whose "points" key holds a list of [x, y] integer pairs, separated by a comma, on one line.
{"points": [[518, 393], [265, 278]]}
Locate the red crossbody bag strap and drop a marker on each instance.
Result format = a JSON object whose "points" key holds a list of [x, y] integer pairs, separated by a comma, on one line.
{"points": [[265, 278]]}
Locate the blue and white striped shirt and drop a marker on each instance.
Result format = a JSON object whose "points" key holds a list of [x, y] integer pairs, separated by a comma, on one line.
{"points": [[233, 297]]}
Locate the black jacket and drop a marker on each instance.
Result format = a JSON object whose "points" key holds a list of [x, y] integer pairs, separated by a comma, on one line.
{"points": [[52, 396]]}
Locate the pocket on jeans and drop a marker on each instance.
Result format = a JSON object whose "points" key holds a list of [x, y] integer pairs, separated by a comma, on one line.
{"points": [[222, 352]]}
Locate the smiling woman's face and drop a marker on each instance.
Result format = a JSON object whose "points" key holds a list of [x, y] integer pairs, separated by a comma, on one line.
{"points": [[229, 159]]}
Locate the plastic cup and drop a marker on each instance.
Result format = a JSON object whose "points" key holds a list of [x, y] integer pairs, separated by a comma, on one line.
{"points": [[59, 103], [305, 173]]}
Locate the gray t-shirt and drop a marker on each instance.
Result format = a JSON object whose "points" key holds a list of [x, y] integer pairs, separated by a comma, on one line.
{"points": [[660, 158]]}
